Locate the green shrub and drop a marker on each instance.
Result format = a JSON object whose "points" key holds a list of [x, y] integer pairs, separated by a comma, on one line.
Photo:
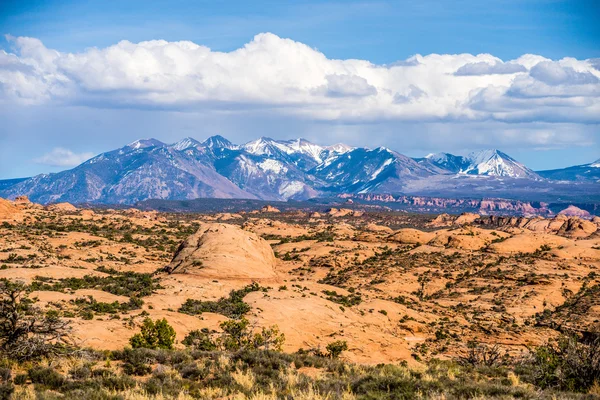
{"points": [[199, 340], [335, 349], [46, 376], [154, 335], [232, 306], [128, 283], [348, 301], [569, 363], [6, 390]]}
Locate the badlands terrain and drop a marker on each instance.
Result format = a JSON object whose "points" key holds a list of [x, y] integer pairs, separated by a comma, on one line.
{"points": [[397, 288]]}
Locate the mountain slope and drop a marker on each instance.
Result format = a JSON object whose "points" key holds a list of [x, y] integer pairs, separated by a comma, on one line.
{"points": [[141, 170], [485, 162], [362, 170], [578, 173], [296, 169]]}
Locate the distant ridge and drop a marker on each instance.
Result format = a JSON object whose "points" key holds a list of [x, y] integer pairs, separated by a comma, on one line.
{"points": [[296, 169]]}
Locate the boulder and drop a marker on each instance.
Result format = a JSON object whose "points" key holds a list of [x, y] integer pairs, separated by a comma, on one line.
{"points": [[224, 251], [269, 209], [68, 207]]}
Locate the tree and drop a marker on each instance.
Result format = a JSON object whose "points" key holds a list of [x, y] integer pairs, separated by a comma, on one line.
{"points": [[237, 335], [572, 362], [334, 349], [154, 335], [26, 331], [200, 340]]}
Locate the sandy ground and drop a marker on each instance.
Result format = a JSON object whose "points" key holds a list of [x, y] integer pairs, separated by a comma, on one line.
{"points": [[425, 290]]}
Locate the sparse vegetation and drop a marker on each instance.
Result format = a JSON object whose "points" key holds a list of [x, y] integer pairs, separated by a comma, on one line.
{"points": [[232, 306], [475, 308], [154, 335], [26, 331]]}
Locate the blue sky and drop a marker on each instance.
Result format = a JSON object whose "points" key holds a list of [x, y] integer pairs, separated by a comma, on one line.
{"points": [[95, 115]]}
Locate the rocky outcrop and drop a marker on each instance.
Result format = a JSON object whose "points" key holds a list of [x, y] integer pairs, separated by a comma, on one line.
{"points": [[438, 204], [269, 209], [8, 210], [224, 251], [343, 212], [573, 211], [67, 207], [442, 220], [466, 218], [560, 225], [412, 236]]}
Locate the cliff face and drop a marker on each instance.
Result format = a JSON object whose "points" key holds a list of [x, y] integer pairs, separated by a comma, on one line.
{"points": [[437, 204], [561, 225]]}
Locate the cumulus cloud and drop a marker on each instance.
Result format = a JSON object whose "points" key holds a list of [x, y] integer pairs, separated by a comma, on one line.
{"points": [[292, 78], [553, 73], [483, 68], [60, 157], [412, 93], [348, 86]]}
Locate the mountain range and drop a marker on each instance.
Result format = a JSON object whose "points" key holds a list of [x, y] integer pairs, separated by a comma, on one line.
{"points": [[289, 169]]}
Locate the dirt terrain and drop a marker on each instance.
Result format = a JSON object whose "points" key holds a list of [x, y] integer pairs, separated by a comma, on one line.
{"points": [[394, 286]]}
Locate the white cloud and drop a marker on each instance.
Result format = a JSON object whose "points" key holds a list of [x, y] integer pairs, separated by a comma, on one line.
{"points": [[483, 68], [348, 86], [553, 73], [291, 78], [60, 157]]}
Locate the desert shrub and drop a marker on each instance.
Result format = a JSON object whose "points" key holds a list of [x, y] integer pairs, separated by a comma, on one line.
{"points": [[154, 335], [479, 354], [90, 304], [238, 335], [26, 332], [127, 283], [136, 362], [20, 379], [335, 349], [232, 306], [199, 340], [569, 363], [46, 376], [5, 374], [348, 301], [6, 390]]}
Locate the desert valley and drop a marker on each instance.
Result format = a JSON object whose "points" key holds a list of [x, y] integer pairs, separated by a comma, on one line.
{"points": [[299, 200], [364, 288]]}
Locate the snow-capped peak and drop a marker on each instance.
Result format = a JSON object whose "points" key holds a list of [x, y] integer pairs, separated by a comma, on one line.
{"points": [[438, 157], [303, 146], [144, 143], [339, 148], [218, 141], [260, 146], [185, 144], [493, 162]]}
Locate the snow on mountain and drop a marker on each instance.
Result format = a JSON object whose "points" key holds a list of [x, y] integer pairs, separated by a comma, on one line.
{"points": [[299, 151], [264, 146], [218, 141], [269, 169], [496, 163], [448, 161], [578, 173], [303, 146], [363, 170], [184, 144], [145, 169], [484, 162], [339, 148], [144, 143]]}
